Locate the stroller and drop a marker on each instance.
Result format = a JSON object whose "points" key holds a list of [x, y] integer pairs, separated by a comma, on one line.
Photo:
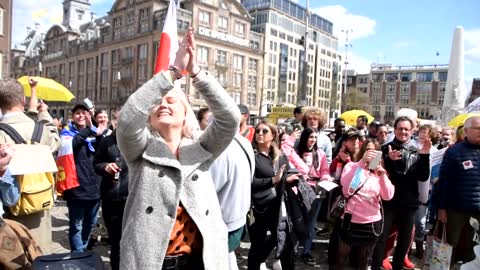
{"points": [[475, 264]]}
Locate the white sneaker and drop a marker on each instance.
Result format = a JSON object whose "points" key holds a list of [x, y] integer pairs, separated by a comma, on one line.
{"points": [[276, 265], [263, 266]]}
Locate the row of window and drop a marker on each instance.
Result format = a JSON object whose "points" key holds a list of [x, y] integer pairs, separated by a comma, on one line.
{"points": [[407, 77], [205, 18]]}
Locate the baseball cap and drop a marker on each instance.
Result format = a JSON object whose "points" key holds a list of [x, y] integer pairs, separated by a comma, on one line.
{"points": [[243, 109], [80, 105], [350, 133]]}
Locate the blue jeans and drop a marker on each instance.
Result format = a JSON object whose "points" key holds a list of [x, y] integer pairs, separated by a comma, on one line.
{"points": [[420, 222], [307, 245], [82, 217]]}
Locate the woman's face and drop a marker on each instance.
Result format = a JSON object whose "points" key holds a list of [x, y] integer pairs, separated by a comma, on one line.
{"points": [[370, 146], [263, 134], [102, 118], [352, 144], [423, 134], [170, 113], [312, 139], [204, 122]]}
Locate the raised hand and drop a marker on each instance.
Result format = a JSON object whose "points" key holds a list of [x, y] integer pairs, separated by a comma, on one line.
{"points": [[182, 58], [32, 82], [427, 145], [101, 128], [368, 156], [394, 154], [276, 179]]}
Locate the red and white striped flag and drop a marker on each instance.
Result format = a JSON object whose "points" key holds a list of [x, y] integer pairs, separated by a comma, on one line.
{"points": [[168, 40]]}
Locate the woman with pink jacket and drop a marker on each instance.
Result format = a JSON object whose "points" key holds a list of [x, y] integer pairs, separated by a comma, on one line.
{"points": [[311, 162], [361, 225]]}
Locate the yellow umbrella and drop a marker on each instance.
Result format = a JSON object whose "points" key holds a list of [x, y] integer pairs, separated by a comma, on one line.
{"points": [[47, 89], [351, 116], [459, 120]]}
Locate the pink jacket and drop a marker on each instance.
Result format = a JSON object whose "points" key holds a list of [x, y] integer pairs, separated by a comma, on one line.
{"points": [[365, 205], [322, 172]]}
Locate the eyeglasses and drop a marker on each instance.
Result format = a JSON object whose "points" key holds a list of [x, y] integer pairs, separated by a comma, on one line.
{"points": [[262, 131]]}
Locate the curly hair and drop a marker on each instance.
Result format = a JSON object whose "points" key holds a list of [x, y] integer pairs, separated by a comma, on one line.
{"points": [[318, 113]]}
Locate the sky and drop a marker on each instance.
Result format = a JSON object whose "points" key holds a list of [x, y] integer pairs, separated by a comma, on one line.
{"points": [[407, 32]]}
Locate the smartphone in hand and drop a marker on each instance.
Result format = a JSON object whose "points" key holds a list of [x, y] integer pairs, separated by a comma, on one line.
{"points": [[375, 161]]}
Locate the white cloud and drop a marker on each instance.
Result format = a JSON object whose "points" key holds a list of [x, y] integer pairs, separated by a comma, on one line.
{"points": [[358, 63], [28, 12], [45, 12], [472, 45], [342, 19]]}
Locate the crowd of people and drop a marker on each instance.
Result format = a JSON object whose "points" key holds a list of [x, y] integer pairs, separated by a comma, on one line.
{"points": [[180, 190]]}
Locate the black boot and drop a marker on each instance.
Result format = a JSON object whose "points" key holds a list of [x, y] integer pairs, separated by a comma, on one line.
{"points": [[419, 249]]}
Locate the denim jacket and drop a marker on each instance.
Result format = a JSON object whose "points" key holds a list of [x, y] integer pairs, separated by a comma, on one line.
{"points": [[8, 191]]}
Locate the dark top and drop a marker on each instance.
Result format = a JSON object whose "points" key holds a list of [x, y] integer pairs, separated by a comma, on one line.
{"points": [[405, 173], [459, 181], [108, 152]]}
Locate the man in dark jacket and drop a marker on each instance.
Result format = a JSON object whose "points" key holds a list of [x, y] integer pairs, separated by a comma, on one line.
{"points": [[83, 201], [111, 166], [406, 165], [459, 185]]}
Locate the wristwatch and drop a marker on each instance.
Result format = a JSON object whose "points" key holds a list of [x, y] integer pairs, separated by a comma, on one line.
{"points": [[176, 71]]}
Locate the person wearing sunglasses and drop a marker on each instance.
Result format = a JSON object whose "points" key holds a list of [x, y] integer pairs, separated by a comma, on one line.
{"points": [[269, 211]]}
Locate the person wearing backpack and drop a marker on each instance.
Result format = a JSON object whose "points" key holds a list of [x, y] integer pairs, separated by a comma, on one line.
{"points": [[12, 104]]}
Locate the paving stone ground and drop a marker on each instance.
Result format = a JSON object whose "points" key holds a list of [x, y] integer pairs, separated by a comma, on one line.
{"points": [[61, 245]]}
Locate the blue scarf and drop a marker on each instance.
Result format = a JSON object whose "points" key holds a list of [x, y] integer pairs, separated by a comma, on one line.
{"points": [[71, 130]]}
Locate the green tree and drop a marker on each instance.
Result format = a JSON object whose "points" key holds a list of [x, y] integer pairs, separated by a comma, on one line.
{"points": [[355, 99]]}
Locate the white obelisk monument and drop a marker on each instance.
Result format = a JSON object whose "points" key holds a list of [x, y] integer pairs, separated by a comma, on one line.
{"points": [[455, 92]]}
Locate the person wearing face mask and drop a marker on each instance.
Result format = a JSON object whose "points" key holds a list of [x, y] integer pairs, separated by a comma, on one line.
{"points": [[361, 225], [406, 165], [172, 217]]}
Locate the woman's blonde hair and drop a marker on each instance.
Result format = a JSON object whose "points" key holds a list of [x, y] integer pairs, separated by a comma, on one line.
{"points": [[191, 128]]}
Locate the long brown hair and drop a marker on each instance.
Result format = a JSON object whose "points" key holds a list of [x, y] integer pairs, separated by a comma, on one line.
{"points": [[363, 149], [274, 152]]}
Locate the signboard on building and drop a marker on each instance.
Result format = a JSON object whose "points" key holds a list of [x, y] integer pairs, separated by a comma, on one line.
{"points": [[222, 36]]}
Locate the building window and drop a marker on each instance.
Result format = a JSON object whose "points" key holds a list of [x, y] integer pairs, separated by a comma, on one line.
{"points": [[376, 99], [240, 29], [376, 110], [252, 65], [237, 62], [406, 77], [2, 15], [204, 17], [142, 51], [222, 22], [130, 18], [424, 91], [390, 99], [376, 88], [117, 22], [202, 55], [391, 87], [389, 111], [404, 99], [144, 13], [222, 57], [142, 71], [237, 79], [377, 77], [236, 97], [391, 77], [405, 88], [424, 76], [442, 76]]}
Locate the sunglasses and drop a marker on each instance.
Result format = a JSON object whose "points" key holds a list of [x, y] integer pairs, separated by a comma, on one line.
{"points": [[262, 131]]}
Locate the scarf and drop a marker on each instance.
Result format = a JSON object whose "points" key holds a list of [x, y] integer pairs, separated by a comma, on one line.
{"points": [[71, 130]]}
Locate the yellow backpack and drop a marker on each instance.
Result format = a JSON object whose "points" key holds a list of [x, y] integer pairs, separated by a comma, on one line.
{"points": [[36, 189]]}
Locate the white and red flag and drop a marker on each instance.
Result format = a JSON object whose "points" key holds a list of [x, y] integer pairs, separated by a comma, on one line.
{"points": [[168, 40]]}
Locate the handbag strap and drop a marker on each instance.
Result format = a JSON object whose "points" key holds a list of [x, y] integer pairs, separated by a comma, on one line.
{"points": [[246, 154]]}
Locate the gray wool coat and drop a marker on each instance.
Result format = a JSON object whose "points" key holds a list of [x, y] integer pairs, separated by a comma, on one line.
{"points": [[159, 182]]}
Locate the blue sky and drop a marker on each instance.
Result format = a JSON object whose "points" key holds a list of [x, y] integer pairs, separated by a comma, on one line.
{"points": [[395, 32]]}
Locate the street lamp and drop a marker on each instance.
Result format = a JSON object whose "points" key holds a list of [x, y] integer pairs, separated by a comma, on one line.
{"points": [[346, 58]]}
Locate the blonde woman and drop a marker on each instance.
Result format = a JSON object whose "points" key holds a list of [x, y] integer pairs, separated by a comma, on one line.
{"points": [[170, 217]]}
